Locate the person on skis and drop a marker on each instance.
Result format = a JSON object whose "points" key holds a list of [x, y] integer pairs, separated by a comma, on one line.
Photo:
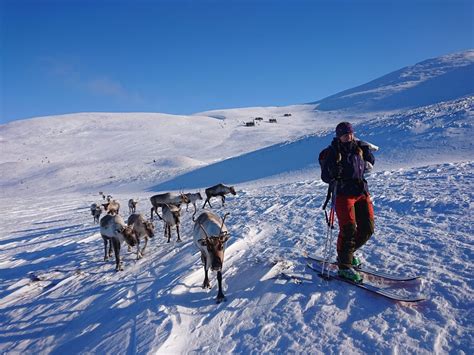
{"points": [[345, 162]]}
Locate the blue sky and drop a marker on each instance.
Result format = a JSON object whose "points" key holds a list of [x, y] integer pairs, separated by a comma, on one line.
{"points": [[184, 57]]}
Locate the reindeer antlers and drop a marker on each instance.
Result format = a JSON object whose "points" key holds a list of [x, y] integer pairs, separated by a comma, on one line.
{"points": [[222, 225], [207, 235], [220, 231]]}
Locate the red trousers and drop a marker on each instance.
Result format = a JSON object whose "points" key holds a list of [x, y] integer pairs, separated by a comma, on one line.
{"points": [[356, 225]]}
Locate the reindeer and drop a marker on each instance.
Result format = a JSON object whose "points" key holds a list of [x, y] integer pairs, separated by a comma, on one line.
{"points": [[114, 231], [192, 198], [218, 190], [143, 229], [112, 207], [96, 211], [168, 198], [171, 217], [210, 235], [132, 205]]}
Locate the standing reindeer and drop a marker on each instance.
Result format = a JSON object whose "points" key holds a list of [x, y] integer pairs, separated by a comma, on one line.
{"points": [[218, 190], [96, 211], [143, 230], [167, 198], [171, 218], [132, 205], [210, 235], [114, 231], [112, 207]]}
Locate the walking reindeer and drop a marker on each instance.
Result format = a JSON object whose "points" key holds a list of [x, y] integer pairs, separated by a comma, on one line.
{"points": [[218, 190], [210, 235]]}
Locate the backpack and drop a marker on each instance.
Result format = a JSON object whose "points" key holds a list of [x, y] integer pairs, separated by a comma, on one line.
{"points": [[324, 155]]}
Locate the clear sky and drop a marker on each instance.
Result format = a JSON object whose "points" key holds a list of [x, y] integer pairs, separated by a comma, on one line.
{"points": [[184, 57]]}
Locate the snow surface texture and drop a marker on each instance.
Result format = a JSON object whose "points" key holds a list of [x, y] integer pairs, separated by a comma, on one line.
{"points": [[58, 296]]}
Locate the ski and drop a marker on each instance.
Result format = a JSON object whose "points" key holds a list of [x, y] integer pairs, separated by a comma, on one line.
{"points": [[369, 271], [367, 286]]}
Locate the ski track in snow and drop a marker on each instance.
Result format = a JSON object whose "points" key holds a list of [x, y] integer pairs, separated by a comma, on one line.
{"points": [[58, 296]]}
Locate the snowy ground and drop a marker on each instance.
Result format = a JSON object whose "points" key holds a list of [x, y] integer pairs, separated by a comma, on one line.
{"points": [[57, 294]]}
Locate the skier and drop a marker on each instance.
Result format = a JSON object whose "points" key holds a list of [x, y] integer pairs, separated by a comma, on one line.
{"points": [[344, 163]]}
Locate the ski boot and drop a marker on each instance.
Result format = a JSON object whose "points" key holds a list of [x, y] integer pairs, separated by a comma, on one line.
{"points": [[350, 274], [356, 263]]}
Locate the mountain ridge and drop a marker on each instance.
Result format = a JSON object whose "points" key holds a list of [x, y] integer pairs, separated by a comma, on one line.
{"points": [[412, 86]]}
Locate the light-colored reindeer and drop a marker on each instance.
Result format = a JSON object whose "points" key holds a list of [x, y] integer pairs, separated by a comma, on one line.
{"points": [[114, 231], [210, 235], [143, 230]]}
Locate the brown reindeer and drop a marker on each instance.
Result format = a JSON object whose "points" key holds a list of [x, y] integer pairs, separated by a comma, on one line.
{"points": [[167, 198], [218, 190]]}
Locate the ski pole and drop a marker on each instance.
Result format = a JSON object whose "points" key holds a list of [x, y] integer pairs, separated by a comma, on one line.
{"points": [[330, 224]]}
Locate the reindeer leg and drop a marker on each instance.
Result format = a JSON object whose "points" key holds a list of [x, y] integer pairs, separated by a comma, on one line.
{"points": [[177, 231], [168, 228], [106, 257], [223, 200], [143, 249], [151, 213], [220, 294], [118, 263], [206, 283], [110, 248], [139, 254]]}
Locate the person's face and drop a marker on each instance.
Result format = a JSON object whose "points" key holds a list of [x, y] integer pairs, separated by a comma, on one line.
{"points": [[348, 137]]}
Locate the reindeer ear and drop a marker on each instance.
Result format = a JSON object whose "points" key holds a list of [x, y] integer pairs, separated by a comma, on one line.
{"points": [[203, 242]]}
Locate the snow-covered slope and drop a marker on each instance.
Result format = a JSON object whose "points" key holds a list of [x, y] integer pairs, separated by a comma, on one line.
{"points": [[93, 151], [431, 81], [58, 296]]}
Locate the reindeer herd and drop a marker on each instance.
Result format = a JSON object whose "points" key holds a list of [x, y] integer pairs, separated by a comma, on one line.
{"points": [[209, 233]]}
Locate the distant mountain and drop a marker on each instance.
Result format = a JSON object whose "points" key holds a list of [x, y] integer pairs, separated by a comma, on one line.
{"points": [[431, 81]]}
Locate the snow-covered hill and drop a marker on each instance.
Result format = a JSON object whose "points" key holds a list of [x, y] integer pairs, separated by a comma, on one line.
{"points": [[426, 83], [58, 296]]}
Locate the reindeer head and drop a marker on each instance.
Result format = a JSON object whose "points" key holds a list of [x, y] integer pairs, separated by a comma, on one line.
{"points": [[176, 211], [129, 235], [232, 190], [215, 246], [184, 198], [150, 228]]}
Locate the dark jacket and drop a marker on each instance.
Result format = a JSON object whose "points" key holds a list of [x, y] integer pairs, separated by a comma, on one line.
{"points": [[349, 171]]}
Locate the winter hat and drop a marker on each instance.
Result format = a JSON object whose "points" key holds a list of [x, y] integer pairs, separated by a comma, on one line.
{"points": [[343, 128]]}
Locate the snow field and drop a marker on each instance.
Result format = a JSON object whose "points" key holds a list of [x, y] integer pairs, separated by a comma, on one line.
{"points": [[80, 304]]}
